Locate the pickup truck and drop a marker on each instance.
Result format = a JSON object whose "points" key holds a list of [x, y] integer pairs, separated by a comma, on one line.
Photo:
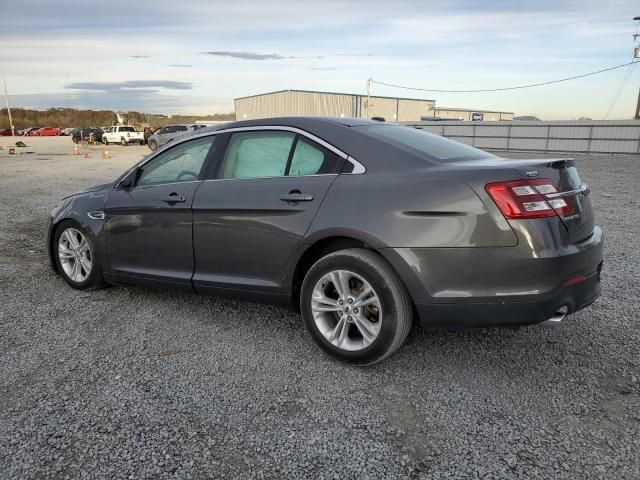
{"points": [[123, 134]]}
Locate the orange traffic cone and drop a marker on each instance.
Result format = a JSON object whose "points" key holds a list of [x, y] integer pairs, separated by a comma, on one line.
{"points": [[105, 154], [87, 155], [76, 150]]}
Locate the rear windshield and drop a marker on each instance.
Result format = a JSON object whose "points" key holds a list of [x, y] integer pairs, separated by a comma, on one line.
{"points": [[424, 143]]}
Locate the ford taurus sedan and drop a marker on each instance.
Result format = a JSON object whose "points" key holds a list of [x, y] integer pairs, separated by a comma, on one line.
{"points": [[363, 227]]}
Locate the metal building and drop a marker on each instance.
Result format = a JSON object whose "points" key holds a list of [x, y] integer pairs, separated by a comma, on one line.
{"points": [[467, 114], [303, 102], [392, 109]]}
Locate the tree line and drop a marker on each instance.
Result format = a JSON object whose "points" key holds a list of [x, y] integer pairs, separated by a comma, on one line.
{"points": [[71, 117]]}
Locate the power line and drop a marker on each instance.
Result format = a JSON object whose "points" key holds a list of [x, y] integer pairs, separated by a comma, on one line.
{"points": [[623, 83], [518, 87]]}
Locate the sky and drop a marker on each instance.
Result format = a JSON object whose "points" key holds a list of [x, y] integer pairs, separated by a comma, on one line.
{"points": [[195, 57]]}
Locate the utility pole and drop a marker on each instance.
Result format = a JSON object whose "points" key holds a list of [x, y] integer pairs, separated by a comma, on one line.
{"points": [[6, 98], [636, 54], [368, 95]]}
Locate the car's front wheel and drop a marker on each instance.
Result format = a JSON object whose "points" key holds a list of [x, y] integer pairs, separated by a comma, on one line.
{"points": [[123, 142], [153, 145], [105, 141], [355, 306], [75, 256]]}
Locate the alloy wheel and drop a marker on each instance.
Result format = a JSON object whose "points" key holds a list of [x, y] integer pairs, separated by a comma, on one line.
{"points": [[346, 310], [75, 255]]}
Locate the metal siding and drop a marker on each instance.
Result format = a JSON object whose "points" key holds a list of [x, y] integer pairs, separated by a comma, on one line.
{"points": [[569, 131], [461, 130], [413, 110], [538, 144], [631, 133], [489, 142], [492, 131], [528, 131], [467, 140], [614, 146], [568, 145], [379, 107]]}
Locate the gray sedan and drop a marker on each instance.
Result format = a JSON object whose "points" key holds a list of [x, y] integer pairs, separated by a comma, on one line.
{"points": [[164, 135], [361, 226]]}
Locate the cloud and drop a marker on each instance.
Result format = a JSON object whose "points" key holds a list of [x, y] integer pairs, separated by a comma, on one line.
{"points": [[138, 56], [179, 65], [323, 68], [256, 56], [355, 54], [148, 86]]}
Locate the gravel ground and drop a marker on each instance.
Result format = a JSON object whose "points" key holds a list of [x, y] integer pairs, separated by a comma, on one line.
{"points": [[133, 383]]}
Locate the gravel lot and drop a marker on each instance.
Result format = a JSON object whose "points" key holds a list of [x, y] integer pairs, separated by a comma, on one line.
{"points": [[133, 383]]}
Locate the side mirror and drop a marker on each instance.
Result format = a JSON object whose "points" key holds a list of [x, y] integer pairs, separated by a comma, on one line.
{"points": [[127, 182]]}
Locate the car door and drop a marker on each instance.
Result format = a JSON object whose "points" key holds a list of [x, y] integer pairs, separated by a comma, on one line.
{"points": [[248, 219], [148, 223]]}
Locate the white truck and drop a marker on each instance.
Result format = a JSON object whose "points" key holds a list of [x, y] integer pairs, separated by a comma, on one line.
{"points": [[123, 134]]}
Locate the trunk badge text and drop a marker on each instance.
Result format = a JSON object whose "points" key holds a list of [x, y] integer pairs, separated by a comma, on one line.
{"points": [[532, 173]]}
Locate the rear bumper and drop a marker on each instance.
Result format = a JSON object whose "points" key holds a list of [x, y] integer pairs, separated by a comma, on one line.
{"points": [[503, 286], [510, 314]]}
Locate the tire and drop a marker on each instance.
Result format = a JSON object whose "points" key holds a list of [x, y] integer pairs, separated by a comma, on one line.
{"points": [[389, 318], [105, 141], [153, 145], [61, 245], [123, 142]]}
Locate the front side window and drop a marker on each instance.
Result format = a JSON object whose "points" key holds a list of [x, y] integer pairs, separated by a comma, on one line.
{"points": [[182, 163], [257, 154], [181, 128]]}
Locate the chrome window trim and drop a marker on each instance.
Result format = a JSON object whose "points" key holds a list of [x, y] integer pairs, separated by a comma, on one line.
{"points": [[358, 168], [275, 176]]}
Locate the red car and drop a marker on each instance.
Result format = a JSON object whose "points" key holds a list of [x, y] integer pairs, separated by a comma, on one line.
{"points": [[5, 132], [46, 132]]}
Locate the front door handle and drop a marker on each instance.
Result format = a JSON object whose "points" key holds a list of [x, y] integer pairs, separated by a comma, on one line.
{"points": [[174, 198], [296, 196]]}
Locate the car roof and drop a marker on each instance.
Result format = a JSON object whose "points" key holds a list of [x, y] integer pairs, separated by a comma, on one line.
{"points": [[300, 122]]}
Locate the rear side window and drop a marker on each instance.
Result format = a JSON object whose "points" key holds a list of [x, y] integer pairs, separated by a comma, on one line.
{"points": [[424, 143], [257, 154], [309, 159], [181, 128], [127, 129]]}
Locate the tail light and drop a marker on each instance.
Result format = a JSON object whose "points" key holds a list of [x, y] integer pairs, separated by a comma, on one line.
{"points": [[527, 198]]}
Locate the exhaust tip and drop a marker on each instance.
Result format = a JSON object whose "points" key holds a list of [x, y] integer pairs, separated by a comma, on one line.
{"points": [[557, 317]]}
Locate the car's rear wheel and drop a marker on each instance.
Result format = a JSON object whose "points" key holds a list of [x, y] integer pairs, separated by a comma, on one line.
{"points": [[75, 256], [153, 145], [355, 306]]}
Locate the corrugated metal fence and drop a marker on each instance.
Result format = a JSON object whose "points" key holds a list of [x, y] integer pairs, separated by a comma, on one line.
{"points": [[620, 137]]}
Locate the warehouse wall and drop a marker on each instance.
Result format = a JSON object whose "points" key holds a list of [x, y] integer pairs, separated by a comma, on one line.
{"points": [[285, 103], [465, 115], [615, 136]]}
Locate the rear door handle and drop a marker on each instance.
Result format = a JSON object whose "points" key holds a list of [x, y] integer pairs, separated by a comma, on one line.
{"points": [[174, 198], [296, 197]]}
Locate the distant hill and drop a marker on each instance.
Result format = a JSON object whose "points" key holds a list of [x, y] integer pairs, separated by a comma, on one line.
{"points": [[527, 118], [70, 117]]}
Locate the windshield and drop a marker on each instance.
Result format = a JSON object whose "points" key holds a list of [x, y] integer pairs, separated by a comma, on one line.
{"points": [[424, 143]]}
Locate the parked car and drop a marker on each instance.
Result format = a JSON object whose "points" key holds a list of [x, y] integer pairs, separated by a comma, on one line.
{"points": [[165, 134], [6, 132], [123, 134], [363, 226], [48, 132], [87, 134], [32, 131]]}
